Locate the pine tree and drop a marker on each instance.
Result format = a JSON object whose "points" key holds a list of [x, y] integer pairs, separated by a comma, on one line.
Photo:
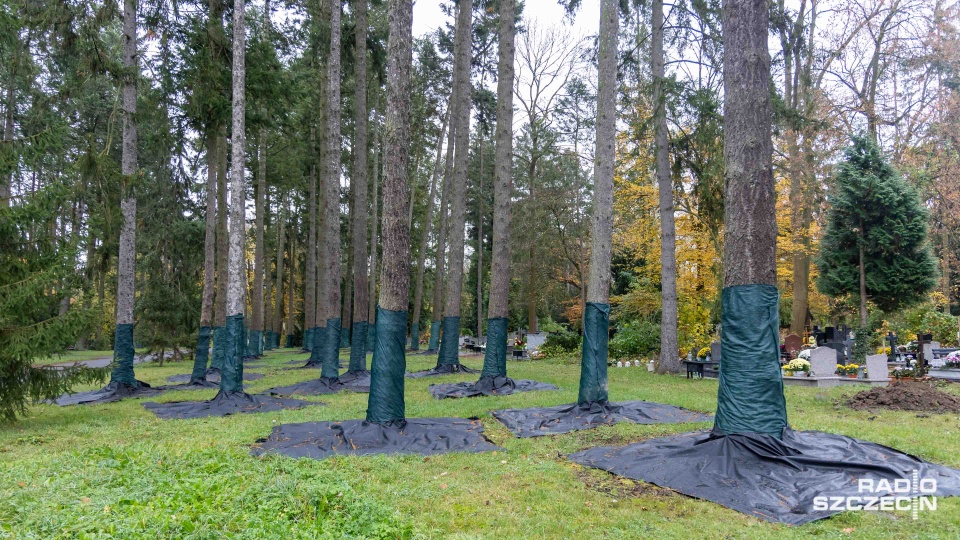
{"points": [[875, 244], [385, 404]]}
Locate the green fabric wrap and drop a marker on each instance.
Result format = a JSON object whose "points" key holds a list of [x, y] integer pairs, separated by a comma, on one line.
{"points": [[231, 375], [219, 346], [434, 336], [450, 344], [255, 343], [331, 350], [495, 357], [289, 343], [385, 403], [371, 335], [318, 336], [750, 398], [344, 337], [593, 359], [415, 336], [308, 339], [358, 349], [122, 371], [203, 353]]}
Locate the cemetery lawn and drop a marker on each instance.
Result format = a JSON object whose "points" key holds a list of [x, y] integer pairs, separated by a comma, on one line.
{"points": [[115, 471]]}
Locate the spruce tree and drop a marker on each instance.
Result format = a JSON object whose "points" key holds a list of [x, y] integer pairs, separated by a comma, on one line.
{"points": [[875, 244]]}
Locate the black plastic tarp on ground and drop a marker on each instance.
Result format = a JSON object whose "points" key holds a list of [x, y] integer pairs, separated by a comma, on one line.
{"points": [[110, 393], [488, 386], [213, 376], [322, 385], [224, 404], [534, 422], [426, 436], [765, 477], [440, 370]]}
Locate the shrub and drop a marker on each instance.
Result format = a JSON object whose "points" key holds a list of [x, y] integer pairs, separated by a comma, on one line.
{"points": [[635, 339], [563, 341]]}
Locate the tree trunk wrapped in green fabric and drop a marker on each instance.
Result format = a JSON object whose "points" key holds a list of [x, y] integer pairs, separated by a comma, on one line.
{"points": [[593, 359]]}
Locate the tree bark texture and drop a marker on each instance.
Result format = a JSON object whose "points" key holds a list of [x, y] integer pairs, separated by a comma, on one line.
{"points": [[259, 253], [128, 204], [210, 234], [235, 272], [331, 270], [361, 293]]}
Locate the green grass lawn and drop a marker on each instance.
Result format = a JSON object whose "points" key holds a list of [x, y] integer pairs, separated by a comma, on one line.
{"points": [[75, 356], [115, 471]]}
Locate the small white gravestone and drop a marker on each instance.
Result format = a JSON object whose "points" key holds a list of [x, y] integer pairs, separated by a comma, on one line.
{"points": [[877, 366], [823, 362]]}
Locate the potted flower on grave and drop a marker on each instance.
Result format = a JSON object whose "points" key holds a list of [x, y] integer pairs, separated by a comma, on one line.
{"points": [[519, 344], [798, 367], [952, 361], [850, 370], [703, 353], [904, 374]]}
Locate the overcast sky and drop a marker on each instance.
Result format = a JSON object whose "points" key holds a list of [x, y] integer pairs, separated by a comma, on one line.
{"points": [[427, 15]]}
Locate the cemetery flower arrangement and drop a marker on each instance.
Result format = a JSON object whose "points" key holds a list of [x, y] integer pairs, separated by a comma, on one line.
{"points": [[519, 343], [702, 353], [883, 350], [847, 369], [952, 360], [797, 365], [904, 373]]}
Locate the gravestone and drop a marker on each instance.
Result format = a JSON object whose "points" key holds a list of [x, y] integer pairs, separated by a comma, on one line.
{"points": [[818, 335], [535, 341], [715, 351], [823, 362], [892, 340], [793, 343], [877, 366], [840, 348]]}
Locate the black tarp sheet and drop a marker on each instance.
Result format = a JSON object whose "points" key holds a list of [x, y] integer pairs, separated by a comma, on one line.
{"points": [[537, 421], [213, 376], [322, 385], [110, 393], [225, 404], [488, 386], [759, 475], [426, 436], [441, 370]]}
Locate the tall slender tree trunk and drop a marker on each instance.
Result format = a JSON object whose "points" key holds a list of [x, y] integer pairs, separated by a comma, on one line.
{"points": [[310, 273], [209, 260], [361, 202], [330, 272], [863, 282], [498, 308], [427, 228], [291, 302], [669, 349], [122, 373], [750, 395], [231, 380], [386, 405], [596, 323], [256, 325], [223, 256], [374, 242], [480, 245], [281, 240], [440, 258], [449, 346]]}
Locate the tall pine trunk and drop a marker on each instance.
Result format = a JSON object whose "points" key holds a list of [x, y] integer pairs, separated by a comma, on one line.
{"points": [[330, 272], [122, 373], [231, 379], [386, 405], [669, 349], [374, 243], [427, 228], [209, 260], [596, 323], [440, 257], [750, 395], [498, 308], [449, 346], [257, 311], [291, 290], [281, 240], [310, 272], [358, 186]]}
